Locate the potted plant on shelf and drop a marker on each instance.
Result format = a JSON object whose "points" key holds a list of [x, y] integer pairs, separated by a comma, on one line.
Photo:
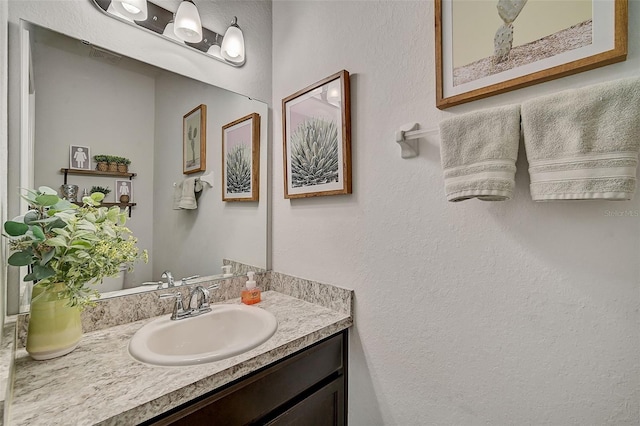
{"points": [[103, 189], [113, 163], [67, 248], [102, 162], [123, 164]]}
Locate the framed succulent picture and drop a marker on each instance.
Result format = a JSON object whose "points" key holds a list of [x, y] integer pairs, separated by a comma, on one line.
{"points": [[317, 139], [194, 140], [241, 159]]}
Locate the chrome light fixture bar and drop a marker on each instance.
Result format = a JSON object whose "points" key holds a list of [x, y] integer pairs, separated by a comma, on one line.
{"points": [[162, 22]]}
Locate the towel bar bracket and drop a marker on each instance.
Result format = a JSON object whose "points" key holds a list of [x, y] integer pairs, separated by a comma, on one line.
{"points": [[407, 137]]}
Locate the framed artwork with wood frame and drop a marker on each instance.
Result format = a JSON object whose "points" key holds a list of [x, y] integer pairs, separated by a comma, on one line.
{"points": [[317, 139], [486, 48], [194, 140], [241, 159]]}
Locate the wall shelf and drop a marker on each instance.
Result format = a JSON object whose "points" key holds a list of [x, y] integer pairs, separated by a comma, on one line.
{"points": [[68, 171], [94, 173]]}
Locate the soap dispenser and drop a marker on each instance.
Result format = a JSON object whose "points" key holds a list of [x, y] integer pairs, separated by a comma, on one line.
{"points": [[251, 294]]}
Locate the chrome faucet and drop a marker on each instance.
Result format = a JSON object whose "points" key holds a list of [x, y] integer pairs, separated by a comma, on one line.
{"points": [[198, 302], [169, 277]]}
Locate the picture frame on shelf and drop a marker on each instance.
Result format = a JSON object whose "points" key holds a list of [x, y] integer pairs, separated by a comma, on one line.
{"points": [[123, 191], [317, 139], [487, 48], [241, 159], [79, 157], [194, 140]]}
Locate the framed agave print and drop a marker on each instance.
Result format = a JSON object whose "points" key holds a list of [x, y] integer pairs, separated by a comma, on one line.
{"points": [[194, 140], [317, 139], [241, 159]]}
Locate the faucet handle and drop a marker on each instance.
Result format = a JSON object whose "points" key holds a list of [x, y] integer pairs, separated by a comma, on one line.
{"points": [[185, 279], [178, 308]]}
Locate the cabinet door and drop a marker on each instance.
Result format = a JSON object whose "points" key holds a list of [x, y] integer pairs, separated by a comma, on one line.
{"points": [[322, 408]]}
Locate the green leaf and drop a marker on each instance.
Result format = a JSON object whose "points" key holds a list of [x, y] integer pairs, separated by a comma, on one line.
{"points": [[42, 272], [29, 277], [80, 244], [56, 242], [31, 217], [57, 224], [47, 200], [21, 258], [37, 232], [47, 191], [15, 229], [47, 256], [64, 205]]}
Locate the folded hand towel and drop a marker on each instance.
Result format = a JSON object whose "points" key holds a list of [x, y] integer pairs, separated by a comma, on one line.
{"points": [[583, 144], [177, 195], [188, 197], [479, 152]]}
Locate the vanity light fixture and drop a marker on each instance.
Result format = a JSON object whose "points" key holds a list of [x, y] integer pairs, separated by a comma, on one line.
{"points": [[187, 25], [232, 48], [185, 28], [132, 9]]}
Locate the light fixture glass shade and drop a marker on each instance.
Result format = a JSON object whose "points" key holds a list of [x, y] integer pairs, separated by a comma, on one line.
{"points": [[170, 32], [232, 48], [214, 50], [132, 9], [187, 25]]}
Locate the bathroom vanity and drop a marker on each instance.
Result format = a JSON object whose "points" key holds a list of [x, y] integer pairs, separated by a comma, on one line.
{"points": [[300, 371]]}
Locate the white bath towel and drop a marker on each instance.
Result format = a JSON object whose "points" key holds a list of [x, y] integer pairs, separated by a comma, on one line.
{"points": [[583, 144], [188, 198], [479, 152]]}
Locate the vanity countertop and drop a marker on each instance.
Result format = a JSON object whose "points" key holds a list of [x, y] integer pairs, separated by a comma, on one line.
{"points": [[100, 383]]}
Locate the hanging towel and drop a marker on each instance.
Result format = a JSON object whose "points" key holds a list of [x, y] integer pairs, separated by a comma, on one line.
{"points": [[479, 152], [583, 144], [188, 197]]}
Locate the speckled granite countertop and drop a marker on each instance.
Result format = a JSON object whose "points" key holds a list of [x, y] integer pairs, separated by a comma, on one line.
{"points": [[100, 383]]}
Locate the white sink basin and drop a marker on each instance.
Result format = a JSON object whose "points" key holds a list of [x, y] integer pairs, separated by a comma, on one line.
{"points": [[226, 331]]}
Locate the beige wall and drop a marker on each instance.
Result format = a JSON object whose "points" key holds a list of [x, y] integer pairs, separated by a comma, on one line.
{"points": [[475, 24]]}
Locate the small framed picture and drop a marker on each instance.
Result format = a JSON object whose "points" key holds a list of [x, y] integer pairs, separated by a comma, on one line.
{"points": [[194, 140], [79, 157], [124, 191], [317, 139], [241, 159]]}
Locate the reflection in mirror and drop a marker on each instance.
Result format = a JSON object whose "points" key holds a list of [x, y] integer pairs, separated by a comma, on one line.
{"points": [[115, 105]]}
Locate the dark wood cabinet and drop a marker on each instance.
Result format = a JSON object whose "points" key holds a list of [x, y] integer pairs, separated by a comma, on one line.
{"points": [[306, 388]]}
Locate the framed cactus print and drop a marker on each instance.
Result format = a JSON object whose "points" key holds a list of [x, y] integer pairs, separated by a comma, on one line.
{"points": [[241, 159], [194, 140], [486, 48], [317, 139]]}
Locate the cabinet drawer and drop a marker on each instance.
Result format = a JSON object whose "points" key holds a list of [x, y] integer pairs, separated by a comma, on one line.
{"points": [[325, 407], [257, 395]]}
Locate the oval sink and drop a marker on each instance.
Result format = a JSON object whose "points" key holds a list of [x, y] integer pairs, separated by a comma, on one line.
{"points": [[226, 331]]}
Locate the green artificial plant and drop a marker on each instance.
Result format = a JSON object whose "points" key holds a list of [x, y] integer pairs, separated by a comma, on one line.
{"points": [[75, 245]]}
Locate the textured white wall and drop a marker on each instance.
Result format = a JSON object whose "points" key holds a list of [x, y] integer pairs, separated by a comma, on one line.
{"points": [[466, 313]]}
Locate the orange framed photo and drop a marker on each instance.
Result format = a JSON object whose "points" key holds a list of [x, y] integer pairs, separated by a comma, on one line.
{"points": [[194, 140]]}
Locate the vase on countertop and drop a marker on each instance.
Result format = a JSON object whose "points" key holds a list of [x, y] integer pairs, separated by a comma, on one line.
{"points": [[55, 328]]}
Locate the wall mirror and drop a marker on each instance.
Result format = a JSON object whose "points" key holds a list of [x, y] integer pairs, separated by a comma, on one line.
{"points": [[83, 95]]}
